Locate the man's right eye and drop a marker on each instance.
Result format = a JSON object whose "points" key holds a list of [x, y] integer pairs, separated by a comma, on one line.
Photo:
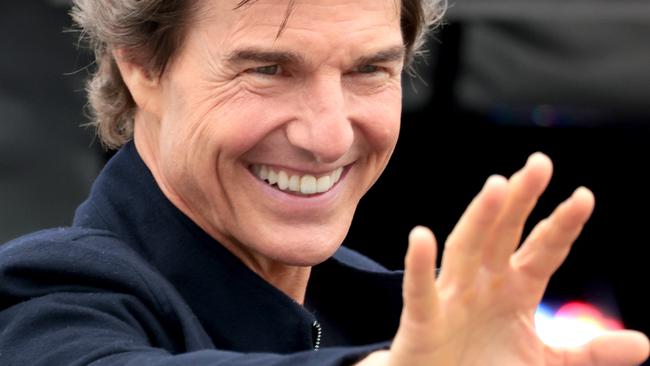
{"points": [[267, 70]]}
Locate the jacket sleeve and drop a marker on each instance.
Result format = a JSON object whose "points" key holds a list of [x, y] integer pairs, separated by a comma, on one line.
{"points": [[100, 329], [61, 306]]}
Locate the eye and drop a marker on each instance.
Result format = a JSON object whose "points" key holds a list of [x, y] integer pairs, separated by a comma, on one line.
{"points": [[368, 69], [269, 70]]}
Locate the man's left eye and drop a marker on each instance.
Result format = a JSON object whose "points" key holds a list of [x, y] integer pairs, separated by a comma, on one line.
{"points": [[267, 70], [367, 69]]}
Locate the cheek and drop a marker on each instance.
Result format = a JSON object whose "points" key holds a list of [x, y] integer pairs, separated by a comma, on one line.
{"points": [[379, 120], [211, 120], [241, 124], [246, 121]]}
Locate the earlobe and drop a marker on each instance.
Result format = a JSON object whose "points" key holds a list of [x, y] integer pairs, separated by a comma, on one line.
{"points": [[141, 82]]}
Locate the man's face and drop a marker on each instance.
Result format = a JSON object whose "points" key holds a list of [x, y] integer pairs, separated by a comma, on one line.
{"points": [[268, 143]]}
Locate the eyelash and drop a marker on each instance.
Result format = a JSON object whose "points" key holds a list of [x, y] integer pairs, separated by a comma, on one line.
{"points": [[260, 70], [374, 69]]}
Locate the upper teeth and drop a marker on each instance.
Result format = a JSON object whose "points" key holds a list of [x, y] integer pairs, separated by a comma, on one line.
{"points": [[305, 184]]}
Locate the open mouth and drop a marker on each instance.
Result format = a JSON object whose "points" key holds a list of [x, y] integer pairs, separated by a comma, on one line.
{"points": [[297, 184]]}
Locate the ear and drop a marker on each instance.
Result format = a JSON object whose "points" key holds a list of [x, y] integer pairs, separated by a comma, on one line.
{"points": [[142, 84]]}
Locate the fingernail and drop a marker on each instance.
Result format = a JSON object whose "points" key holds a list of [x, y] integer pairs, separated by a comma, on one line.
{"points": [[534, 156], [494, 179], [581, 190], [419, 231], [537, 156]]}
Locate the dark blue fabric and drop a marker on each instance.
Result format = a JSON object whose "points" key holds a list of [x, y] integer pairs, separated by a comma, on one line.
{"points": [[135, 282]]}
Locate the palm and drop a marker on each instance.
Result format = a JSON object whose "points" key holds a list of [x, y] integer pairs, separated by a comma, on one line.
{"points": [[479, 311], [497, 314]]}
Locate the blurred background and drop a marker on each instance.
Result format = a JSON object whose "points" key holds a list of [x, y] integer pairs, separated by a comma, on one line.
{"points": [[47, 162], [501, 80]]}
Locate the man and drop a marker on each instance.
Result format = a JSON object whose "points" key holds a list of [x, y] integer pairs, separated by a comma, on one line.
{"points": [[213, 238]]}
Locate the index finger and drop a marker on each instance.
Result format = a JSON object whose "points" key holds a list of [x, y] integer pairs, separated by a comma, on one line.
{"points": [[463, 248]]}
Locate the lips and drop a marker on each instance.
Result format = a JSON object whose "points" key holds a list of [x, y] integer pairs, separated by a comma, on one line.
{"points": [[307, 184]]}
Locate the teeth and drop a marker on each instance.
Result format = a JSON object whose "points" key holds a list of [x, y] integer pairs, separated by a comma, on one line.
{"points": [[273, 177], [294, 183], [336, 175], [323, 184], [307, 184], [264, 173], [283, 180]]}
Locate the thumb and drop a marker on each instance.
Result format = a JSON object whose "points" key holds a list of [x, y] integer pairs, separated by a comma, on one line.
{"points": [[411, 345], [620, 348]]}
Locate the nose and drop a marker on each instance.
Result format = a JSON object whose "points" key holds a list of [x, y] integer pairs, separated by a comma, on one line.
{"points": [[322, 127]]}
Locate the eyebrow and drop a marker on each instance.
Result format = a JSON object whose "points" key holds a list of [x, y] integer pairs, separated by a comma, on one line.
{"points": [[261, 56], [391, 54]]}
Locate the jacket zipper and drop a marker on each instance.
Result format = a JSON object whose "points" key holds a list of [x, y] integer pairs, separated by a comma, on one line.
{"points": [[317, 331]]}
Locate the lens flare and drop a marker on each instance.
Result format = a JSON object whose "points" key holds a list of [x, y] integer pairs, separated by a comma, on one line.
{"points": [[572, 324]]}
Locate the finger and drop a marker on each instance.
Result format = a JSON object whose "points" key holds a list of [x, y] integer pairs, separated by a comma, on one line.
{"points": [[524, 189], [620, 348], [419, 322], [463, 248], [420, 298], [549, 243]]}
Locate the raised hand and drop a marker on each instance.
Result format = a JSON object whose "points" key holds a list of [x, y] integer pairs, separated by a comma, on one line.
{"points": [[480, 309]]}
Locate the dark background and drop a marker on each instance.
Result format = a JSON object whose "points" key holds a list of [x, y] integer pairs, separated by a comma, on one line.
{"points": [[571, 82], [498, 84], [47, 161]]}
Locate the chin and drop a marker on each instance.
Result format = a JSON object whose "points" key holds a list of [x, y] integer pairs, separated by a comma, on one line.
{"points": [[306, 252]]}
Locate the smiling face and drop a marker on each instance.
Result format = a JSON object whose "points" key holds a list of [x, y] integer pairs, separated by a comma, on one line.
{"points": [[269, 142]]}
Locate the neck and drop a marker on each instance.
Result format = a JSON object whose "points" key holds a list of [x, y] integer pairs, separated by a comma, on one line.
{"points": [[291, 280]]}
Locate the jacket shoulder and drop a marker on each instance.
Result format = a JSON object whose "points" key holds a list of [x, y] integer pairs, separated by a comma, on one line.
{"points": [[75, 260], [55, 247], [354, 259]]}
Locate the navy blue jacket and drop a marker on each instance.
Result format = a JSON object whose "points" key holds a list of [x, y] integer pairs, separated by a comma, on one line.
{"points": [[136, 282]]}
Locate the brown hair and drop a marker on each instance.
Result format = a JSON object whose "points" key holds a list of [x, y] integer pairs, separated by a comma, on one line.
{"points": [[152, 31]]}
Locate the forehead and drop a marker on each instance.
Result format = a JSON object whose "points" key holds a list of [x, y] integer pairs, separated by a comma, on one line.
{"points": [[283, 10], [286, 22]]}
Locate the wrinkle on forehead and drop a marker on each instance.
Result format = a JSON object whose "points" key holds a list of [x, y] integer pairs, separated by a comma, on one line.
{"points": [[291, 4], [285, 20]]}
